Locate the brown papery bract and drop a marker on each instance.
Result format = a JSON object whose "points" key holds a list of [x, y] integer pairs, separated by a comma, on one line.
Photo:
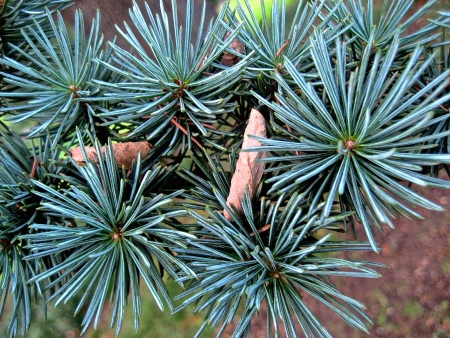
{"points": [[248, 171], [124, 153], [229, 59]]}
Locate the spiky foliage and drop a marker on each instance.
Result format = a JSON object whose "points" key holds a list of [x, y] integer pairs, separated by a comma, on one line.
{"points": [[121, 230], [55, 76], [16, 15], [272, 39], [439, 65], [172, 89], [363, 26], [18, 210], [355, 108], [270, 254], [363, 132]]}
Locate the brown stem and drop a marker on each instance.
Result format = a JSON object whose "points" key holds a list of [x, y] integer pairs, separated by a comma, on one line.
{"points": [[282, 48], [34, 168], [210, 126], [264, 228], [179, 126]]}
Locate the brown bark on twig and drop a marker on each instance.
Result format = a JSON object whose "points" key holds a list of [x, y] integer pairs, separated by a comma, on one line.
{"points": [[248, 171], [124, 153]]}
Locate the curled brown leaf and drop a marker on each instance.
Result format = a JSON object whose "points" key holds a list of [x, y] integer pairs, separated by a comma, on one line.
{"points": [[124, 153], [229, 59], [248, 170]]}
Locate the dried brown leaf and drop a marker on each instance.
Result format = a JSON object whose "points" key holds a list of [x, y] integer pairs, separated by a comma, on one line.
{"points": [[124, 153], [248, 171], [229, 59]]}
